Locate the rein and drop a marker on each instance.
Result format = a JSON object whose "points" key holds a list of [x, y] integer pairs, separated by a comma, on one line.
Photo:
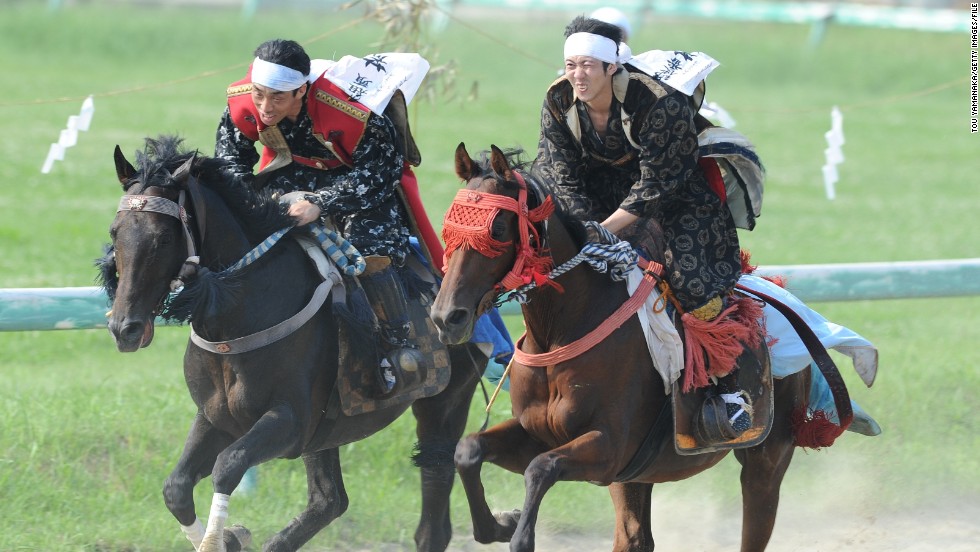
{"points": [[651, 276], [613, 255]]}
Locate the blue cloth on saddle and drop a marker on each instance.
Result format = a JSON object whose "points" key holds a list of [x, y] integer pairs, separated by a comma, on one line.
{"points": [[488, 330], [822, 398], [789, 355]]}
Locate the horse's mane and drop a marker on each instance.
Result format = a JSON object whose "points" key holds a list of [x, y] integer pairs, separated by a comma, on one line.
{"points": [[259, 213]]}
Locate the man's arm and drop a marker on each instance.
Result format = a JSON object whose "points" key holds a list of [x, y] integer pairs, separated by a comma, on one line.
{"points": [[618, 220], [372, 181], [668, 155], [235, 148], [558, 161]]}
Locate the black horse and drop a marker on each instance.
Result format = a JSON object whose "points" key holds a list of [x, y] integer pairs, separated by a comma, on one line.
{"points": [[278, 400]]}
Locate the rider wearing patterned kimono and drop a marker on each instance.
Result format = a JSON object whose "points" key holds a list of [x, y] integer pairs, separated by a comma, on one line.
{"points": [[346, 159], [623, 146]]}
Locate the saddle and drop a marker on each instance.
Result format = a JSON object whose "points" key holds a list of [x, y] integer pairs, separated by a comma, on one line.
{"points": [[754, 374], [755, 378], [357, 370]]}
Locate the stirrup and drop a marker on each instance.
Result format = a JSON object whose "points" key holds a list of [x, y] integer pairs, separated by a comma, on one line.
{"points": [[394, 367], [723, 417]]}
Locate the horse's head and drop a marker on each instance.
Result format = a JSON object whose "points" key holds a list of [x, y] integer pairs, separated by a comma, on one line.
{"points": [[151, 240], [492, 240]]}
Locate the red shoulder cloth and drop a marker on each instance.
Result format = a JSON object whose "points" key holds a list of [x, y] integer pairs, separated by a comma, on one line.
{"points": [[242, 108], [338, 121]]}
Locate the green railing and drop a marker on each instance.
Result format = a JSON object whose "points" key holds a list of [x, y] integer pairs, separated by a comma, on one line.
{"points": [[24, 309]]}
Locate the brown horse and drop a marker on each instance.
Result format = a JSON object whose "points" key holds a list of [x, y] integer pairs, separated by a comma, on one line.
{"points": [[278, 400], [591, 417]]}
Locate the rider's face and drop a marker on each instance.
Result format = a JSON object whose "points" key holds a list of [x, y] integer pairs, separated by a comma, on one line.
{"points": [[589, 77], [274, 106]]}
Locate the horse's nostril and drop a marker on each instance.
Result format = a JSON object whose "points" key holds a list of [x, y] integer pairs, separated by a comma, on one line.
{"points": [[458, 317], [132, 330]]}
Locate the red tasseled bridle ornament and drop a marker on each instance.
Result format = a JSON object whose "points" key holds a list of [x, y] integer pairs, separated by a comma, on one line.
{"points": [[468, 224]]}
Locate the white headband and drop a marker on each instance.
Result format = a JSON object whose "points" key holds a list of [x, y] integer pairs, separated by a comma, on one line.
{"points": [[275, 76], [591, 45]]}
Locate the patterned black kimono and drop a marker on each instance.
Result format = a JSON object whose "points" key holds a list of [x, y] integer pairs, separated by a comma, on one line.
{"points": [[657, 176], [362, 200]]}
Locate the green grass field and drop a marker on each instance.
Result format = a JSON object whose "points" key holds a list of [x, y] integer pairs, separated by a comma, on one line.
{"points": [[88, 434]]}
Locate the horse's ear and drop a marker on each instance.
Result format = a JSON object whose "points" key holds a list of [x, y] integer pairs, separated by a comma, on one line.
{"points": [[124, 170], [181, 173], [498, 162], [465, 166]]}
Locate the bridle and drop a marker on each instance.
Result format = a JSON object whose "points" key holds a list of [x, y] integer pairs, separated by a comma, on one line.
{"points": [[468, 222], [164, 206]]}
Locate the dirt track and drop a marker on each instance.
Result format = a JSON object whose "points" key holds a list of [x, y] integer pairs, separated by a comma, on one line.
{"points": [[952, 528]]}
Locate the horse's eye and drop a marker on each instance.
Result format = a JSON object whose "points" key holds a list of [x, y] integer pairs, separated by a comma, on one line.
{"points": [[498, 229], [166, 237]]}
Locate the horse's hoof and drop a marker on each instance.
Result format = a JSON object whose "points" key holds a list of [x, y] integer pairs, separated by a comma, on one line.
{"points": [[237, 538], [507, 524], [213, 542]]}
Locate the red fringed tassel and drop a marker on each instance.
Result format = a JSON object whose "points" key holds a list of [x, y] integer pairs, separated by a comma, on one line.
{"points": [[748, 268], [778, 280], [712, 347], [745, 257], [814, 429], [478, 240]]}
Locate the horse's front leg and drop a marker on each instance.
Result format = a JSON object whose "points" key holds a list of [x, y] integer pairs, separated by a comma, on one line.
{"points": [[276, 434], [509, 446], [440, 422], [201, 448], [326, 501], [585, 458], [633, 510]]}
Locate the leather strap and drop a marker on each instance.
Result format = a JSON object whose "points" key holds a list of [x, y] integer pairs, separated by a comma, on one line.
{"points": [[651, 445], [200, 207], [821, 358], [269, 335], [625, 311]]}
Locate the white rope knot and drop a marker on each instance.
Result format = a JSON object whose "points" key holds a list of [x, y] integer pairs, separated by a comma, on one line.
{"points": [[740, 398]]}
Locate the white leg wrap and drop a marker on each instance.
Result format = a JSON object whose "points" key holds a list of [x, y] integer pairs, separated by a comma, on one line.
{"points": [[214, 536], [194, 532]]}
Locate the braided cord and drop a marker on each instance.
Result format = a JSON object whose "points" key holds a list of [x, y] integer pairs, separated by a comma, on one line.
{"points": [[348, 259], [610, 254], [257, 251]]}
